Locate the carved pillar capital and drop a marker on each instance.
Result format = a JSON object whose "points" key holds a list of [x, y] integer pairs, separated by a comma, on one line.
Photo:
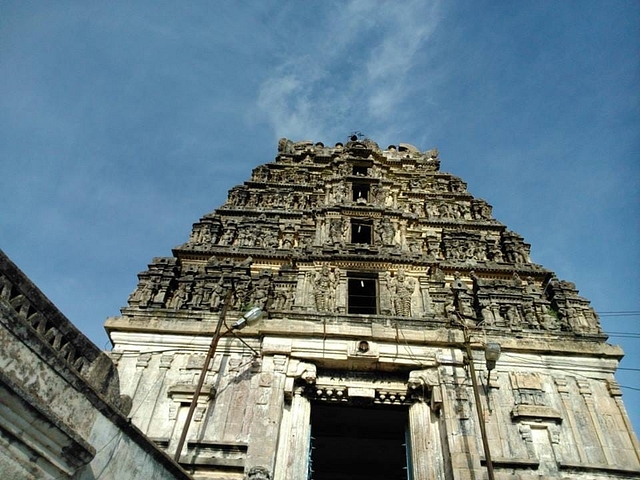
{"points": [[299, 373], [424, 385]]}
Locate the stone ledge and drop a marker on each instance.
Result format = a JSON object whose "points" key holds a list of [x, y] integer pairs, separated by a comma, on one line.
{"points": [[207, 453], [504, 462], [536, 412], [631, 473]]}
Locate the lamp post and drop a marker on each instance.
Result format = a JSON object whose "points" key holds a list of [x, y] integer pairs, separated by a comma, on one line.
{"points": [[250, 317], [476, 396], [492, 353]]}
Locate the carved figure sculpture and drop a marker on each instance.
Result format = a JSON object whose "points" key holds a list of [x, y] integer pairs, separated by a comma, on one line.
{"points": [[196, 295], [283, 298], [402, 289], [340, 193], [228, 236], [530, 316], [386, 233], [145, 293], [285, 146], [261, 292], [324, 283], [179, 297], [513, 317], [487, 313], [336, 231], [217, 292], [496, 252]]}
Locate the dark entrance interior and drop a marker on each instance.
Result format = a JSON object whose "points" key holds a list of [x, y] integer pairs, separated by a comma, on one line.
{"points": [[361, 192], [357, 443], [361, 231], [362, 294]]}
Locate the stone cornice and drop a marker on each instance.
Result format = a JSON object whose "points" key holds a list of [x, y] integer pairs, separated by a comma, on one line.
{"points": [[414, 333]]}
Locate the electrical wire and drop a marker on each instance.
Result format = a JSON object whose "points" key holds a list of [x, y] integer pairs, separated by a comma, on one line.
{"points": [[621, 312]]}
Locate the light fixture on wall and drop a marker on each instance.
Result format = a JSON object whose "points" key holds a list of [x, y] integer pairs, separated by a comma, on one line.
{"points": [[492, 355], [250, 318]]}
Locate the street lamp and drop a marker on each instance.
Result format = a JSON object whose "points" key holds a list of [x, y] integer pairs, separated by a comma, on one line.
{"points": [[253, 316], [249, 318], [492, 353]]}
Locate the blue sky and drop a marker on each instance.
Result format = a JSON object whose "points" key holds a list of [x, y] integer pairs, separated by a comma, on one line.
{"points": [[122, 123]]}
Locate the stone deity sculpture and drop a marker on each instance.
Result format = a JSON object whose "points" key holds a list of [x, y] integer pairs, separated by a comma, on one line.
{"points": [[324, 283], [401, 289]]}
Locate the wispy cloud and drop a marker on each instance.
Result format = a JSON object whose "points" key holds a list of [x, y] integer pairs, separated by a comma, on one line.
{"points": [[357, 75]]}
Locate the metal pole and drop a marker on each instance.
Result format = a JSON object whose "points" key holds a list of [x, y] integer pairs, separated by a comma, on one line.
{"points": [[476, 395], [203, 373]]}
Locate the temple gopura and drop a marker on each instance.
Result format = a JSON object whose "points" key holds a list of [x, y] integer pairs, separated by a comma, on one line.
{"points": [[383, 282]]}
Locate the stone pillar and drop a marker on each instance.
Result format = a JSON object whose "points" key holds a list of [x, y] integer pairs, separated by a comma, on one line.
{"points": [[142, 362], [156, 395], [424, 291], [301, 293], [616, 393], [265, 428], [426, 451], [563, 389], [426, 448], [462, 436], [585, 391], [292, 461]]}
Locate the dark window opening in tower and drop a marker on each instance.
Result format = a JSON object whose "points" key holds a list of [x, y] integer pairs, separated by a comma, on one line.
{"points": [[360, 171], [360, 192], [358, 443], [363, 295], [361, 231]]}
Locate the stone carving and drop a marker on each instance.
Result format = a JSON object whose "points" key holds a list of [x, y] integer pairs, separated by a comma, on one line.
{"points": [[480, 210], [304, 371], [228, 236], [197, 295], [401, 288], [513, 318], [495, 252], [283, 298], [490, 313], [288, 236], [337, 230], [516, 250], [261, 290], [527, 388], [426, 381], [573, 311], [204, 233], [385, 232], [325, 283], [414, 211], [147, 292], [530, 316], [216, 295], [285, 146], [180, 296]]}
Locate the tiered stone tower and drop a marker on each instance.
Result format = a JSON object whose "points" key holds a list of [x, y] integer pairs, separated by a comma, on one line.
{"points": [[381, 276]]}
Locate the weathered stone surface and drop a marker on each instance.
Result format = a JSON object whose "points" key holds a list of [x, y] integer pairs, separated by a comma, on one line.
{"points": [[374, 267], [61, 412]]}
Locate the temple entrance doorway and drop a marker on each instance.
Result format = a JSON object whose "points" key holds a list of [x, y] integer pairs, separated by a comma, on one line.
{"points": [[358, 443]]}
